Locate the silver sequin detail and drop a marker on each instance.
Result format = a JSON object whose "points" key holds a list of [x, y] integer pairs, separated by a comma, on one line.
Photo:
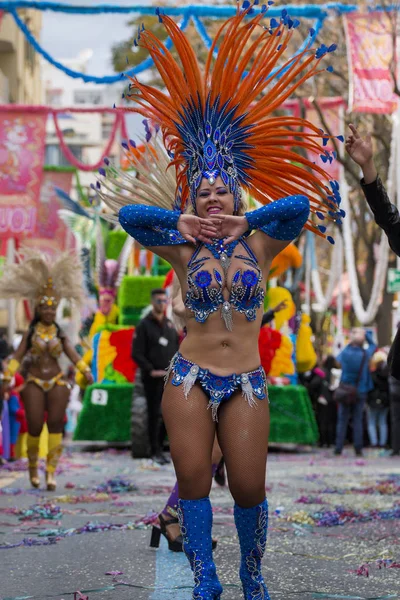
{"points": [[226, 314], [190, 380]]}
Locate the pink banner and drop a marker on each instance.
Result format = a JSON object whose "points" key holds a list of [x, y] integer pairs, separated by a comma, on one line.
{"points": [[51, 233], [22, 146], [371, 53]]}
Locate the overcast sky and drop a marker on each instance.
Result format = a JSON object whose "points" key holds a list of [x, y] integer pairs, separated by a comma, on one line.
{"points": [[64, 36]]}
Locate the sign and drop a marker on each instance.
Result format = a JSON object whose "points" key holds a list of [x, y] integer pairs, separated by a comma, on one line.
{"points": [[99, 397], [371, 55], [393, 281], [22, 147], [52, 235]]}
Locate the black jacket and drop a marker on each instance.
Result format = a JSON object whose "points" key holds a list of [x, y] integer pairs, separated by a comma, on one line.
{"points": [[388, 218], [154, 344], [379, 396]]}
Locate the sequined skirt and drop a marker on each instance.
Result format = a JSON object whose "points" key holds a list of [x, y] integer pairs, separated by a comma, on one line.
{"points": [[217, 387]]}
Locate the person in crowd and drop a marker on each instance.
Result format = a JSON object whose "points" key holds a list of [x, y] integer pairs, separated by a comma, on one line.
{"points": [[220, 139], [14, 407], [387, 217], [378, 401], [44, 283], [320, 386], [4, 346], [354, 360], [155, 342]]}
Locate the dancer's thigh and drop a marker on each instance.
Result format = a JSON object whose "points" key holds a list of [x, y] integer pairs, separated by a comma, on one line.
{"points": [[191, 433], [243, 436], [57, 402], [33, 398]]}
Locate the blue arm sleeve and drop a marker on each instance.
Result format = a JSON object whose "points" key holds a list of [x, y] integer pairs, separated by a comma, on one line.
{"points": [[282, 219], [151, 225]]}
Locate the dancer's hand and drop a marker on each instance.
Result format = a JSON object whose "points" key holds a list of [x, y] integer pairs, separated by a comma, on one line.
{"points": [[230, 227], [89, 377], [360, 150], [193, 228]]}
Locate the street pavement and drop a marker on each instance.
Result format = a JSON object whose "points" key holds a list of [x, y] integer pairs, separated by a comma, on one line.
{"points": [[92, 535]]}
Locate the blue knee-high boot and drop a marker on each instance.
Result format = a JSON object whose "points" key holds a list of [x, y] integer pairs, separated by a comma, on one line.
{"points": [[195, 519], [252, 526]]}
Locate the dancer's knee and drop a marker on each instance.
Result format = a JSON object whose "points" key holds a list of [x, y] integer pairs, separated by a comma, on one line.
{"points": [[35, 430], [247, 494], [194, 482]]}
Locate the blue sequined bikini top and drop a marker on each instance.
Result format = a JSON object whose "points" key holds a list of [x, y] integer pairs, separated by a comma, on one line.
{"points": [[204, 295]]}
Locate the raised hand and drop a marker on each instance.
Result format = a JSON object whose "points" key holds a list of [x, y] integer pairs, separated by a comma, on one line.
{"points": [[229, 226], [359, 148], [194, 229]]}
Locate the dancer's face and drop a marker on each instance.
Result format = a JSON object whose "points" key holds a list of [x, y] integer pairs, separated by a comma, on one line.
{"points": [[47, 314], [106, 302], [214, 199]]}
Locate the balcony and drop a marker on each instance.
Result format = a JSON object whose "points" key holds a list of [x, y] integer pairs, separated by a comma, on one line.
{"points": [[4, 89], [8, 34]]}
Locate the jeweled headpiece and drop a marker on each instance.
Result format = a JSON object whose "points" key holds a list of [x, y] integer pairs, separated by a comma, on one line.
{"points": [[48, 295], [44, 281], [221, 122]]}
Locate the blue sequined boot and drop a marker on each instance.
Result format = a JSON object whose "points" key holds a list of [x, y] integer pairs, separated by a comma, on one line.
{"points": [[195, 519], [252, 526]]}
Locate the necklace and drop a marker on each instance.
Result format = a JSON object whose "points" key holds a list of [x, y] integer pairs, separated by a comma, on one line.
{"points": [[221, 252], [46, 332]]}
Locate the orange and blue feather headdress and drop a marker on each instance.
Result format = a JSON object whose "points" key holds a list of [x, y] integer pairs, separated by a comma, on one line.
{"points": [[221, 121]]}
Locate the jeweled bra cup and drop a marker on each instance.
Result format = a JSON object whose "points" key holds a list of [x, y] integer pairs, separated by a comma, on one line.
{"points": [[203, 298]]}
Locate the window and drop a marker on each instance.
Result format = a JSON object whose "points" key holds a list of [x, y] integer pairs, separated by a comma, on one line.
{"points": [[87, 97], [55, 157]]}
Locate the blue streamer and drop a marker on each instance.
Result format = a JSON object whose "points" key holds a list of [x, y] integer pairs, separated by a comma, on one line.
{"points": [[307, 10], [202, 31], [146, 64]]}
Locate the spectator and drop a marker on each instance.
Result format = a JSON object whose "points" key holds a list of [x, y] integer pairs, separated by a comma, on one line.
{"points": [[14, 403], [387, 217], [326, 408], [354, 360], [4, 347], [378, 400], [155, 343]]}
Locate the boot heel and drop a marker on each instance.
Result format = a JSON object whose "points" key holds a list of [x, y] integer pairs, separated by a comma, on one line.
{"points": [[155, 537]]}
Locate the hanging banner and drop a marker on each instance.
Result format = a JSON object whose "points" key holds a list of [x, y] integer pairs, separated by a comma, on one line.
{"points": [[332, 110], [51, 234], [22, 147], [371, 54]]}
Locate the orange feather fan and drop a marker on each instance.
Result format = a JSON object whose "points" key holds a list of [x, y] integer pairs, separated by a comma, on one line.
{"points": [[247, 80]]}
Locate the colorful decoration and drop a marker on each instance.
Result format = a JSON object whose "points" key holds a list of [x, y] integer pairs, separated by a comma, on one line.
{"points": [[22, 145], [112, 361], [306, 356], [275, 296], [282, 363], [289, 258], [269, 341]]}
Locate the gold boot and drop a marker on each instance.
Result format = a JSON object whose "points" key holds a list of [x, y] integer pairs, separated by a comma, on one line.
{"points": [[51, 483], [53, 456], [33, 456]]}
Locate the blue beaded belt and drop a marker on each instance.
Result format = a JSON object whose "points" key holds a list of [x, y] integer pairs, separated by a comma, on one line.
{"points": [[217, 387]]}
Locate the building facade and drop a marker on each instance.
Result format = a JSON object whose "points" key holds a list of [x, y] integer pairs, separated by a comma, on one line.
{"points": [[20, 81]]}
